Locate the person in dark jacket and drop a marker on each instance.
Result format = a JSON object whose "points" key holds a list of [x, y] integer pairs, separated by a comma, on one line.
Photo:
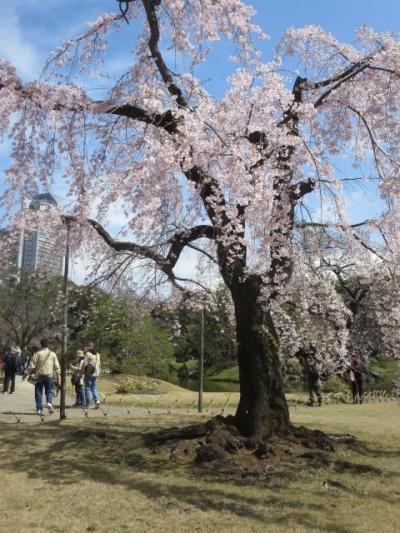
{"points": [[356, 377], [10, 368], [312, 373]]}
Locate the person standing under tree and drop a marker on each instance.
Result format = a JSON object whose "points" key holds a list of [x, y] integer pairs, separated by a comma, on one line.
{"points": [[90, 370], [45, 366], [355, 375], [10, 369], [314, 382], [77, 378], [312, 372]]}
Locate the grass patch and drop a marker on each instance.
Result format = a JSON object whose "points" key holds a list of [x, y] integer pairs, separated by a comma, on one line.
{"points": [[230, 374], [383, 365], [388, 369], [83, 476], [192, 365]]}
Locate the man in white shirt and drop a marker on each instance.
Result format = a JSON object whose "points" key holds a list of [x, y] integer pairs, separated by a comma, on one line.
{"points": [[44, 364]]}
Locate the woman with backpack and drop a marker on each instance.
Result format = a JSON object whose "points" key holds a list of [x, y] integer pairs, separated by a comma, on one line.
{"points": [[77, 378], [90, 370]]}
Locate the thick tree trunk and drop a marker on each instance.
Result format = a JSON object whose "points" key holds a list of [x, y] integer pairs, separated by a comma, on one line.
{"points": [[262, 410]]}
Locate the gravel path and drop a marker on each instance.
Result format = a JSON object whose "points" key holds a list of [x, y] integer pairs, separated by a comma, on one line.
{"points": [[20, 407]]}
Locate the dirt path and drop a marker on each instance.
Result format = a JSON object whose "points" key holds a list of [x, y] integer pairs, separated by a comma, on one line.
{"points": [[20, 407]]}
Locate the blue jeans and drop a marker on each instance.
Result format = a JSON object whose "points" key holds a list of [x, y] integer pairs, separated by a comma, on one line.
{"points": [[91, 388], [46, 383]]}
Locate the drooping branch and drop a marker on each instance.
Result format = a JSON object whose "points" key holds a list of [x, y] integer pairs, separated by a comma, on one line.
{"points": [[375, 145], [201, 251], [325, 225], [348, 74], [367, 222]]}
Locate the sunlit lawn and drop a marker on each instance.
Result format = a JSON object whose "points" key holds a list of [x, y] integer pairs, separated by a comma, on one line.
{"points": [[52, 479]]}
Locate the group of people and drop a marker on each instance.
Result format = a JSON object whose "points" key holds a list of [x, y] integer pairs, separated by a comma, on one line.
{"points": [[85, 372], [354, 374], [44, 371]]}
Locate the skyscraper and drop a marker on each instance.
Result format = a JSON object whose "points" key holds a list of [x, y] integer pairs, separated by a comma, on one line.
{"points": [[37, 250]]}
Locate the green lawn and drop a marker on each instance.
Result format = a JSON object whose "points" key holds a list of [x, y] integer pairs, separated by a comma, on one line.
{"points": [[59, 478], [230, 374]]}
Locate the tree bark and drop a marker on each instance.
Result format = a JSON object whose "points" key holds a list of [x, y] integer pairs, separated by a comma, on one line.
{"points": [[262, 410]]}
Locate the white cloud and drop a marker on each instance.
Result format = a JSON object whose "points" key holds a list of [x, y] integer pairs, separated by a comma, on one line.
{"points": [[14, 46]]}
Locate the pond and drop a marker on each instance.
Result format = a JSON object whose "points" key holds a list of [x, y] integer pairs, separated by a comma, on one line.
{"points": [[383, 384]]}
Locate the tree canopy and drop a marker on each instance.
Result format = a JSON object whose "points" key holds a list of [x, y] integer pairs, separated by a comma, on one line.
{"points": [[238, 178]]}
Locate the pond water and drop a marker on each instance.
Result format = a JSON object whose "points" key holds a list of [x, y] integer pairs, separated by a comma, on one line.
{"points": [[384, 384]]}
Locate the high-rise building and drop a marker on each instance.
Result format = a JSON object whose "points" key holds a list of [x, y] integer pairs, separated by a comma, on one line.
{"points": [[36, 250]]}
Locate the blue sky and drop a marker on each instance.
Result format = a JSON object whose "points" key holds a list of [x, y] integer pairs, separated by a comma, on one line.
{"points": [[30, 29]]}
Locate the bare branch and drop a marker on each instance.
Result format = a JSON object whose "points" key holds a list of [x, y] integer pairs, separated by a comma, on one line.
{"points": [[183, 238], [197, 249], [177, 242], [344, 227], [125, 246], [174, 90], [375, 146]]}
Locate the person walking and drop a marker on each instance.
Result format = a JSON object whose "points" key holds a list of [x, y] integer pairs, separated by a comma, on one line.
{"points": [[45, 366], [90, 370], [10, 362], [77, 378]]}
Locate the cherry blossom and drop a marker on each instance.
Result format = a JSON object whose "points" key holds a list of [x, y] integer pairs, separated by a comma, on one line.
{"points": [[238, 178]]}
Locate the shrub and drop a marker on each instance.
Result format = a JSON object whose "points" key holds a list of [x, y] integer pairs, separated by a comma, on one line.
{"points": [[137, 385], [335, 385]]}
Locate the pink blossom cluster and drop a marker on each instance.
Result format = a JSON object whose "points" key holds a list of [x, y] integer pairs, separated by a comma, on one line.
{"points": [[170, 157]]}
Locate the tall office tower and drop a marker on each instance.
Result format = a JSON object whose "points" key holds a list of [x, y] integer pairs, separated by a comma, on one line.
{"points": [[41, 251], [36, 251]]}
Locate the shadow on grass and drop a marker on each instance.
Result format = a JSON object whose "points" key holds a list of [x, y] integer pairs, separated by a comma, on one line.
{"points": [[371, 451], [62, 455]]}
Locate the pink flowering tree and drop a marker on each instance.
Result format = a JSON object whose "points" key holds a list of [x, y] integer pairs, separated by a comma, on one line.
{"points": [[230, 177], [368, 282]]}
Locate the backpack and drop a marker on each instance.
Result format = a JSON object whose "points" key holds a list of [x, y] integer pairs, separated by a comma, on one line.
{"points": [[90, 369], [75, 378]]}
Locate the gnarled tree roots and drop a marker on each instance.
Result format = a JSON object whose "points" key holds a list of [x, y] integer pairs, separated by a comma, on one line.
{"points": [[217, 446]]}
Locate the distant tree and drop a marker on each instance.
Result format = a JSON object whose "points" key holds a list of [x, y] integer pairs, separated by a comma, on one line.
{"points": [[30, 308], [219, 330], [129, 341]]}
